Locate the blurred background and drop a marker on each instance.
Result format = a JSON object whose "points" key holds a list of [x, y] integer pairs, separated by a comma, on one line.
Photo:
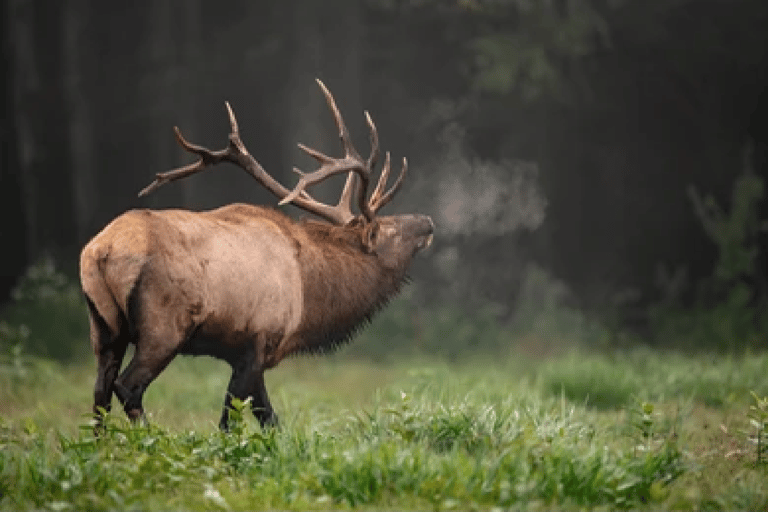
{"points": [[595, 168]]}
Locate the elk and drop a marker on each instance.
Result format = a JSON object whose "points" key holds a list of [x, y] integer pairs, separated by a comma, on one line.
{"points": [[243, 283]]}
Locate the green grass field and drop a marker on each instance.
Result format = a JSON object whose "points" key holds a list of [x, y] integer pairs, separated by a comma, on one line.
{"points": [[574, 431]]}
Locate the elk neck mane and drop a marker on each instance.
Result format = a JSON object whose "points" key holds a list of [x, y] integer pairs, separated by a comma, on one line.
{"points": [[343, 285]]}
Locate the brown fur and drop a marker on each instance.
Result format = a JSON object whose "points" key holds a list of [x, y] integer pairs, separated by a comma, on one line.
{"points": [[343, 286], [243, 283]]}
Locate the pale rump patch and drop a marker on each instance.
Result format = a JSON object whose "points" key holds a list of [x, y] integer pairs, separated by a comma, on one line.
{"points": [[110, 265]]}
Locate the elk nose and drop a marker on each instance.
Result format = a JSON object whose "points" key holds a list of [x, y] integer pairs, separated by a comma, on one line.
{"points": [[429, 229], [424, 222], [429, 226]]}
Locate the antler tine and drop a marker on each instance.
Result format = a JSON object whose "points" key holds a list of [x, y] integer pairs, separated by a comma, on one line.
{"points": [[349, 149], [377, 201], [317, 155], [346, 194], [207, 157], [373, 158], [232, 119], [345, 200], [376, 194]]}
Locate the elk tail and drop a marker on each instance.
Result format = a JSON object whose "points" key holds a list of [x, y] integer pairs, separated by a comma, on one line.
{"points": [[102, 305]]}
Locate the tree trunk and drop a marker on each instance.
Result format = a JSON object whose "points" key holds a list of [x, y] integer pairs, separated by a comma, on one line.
{"points": [[76, 52], [162, 79], [342, 64], [42, 123], [54, 166], [186, 90], [304, 105], [12, 215], [26, 83]]}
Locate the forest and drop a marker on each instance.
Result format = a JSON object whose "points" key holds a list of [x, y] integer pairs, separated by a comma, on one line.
{"points": [[588, 329], [616, 147]]}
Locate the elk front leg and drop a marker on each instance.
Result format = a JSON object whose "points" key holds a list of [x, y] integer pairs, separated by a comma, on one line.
{"points": [[238, 388], [261, 407], [248, 381]]}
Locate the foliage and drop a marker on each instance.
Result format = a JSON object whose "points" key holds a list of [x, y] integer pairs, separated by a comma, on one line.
{"points": [[47, 316], [729, 312], [758, 420], [12, 339], [539, 57], [527, 49], [731, 324], [735, 232]]}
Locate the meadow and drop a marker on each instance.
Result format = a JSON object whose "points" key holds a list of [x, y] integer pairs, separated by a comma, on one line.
{"points": [[575, 431], [421, 412]]}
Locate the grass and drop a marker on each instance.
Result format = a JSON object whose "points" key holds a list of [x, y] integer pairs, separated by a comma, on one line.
{"points": [[578, 431]]}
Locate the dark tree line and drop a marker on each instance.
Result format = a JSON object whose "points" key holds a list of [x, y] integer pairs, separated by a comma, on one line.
{"points": [[618, 107]]}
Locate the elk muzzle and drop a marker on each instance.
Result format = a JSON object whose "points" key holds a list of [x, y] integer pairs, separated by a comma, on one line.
{"points": [[419, 228]]}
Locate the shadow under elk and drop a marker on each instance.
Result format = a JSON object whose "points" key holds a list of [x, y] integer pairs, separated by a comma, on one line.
{"points": [[243, 283]]}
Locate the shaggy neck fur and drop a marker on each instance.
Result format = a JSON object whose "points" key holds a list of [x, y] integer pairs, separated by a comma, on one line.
{"points": [[343, 286]]}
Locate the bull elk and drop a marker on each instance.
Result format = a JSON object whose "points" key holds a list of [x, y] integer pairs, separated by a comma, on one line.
{"points": [[243, 283]]}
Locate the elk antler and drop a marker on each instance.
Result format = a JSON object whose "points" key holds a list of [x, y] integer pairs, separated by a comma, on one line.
{"points": [[351, 163], [379, 200]]}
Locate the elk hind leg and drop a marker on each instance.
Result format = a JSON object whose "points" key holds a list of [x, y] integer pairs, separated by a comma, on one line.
{"points": [[154, 350], [110, 350]]}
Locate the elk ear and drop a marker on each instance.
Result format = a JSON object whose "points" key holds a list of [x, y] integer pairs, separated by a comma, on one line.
{"points": [[370, 234]]}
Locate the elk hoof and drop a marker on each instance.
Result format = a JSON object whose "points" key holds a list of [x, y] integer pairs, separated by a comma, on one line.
{"points": [[136, 416], [269, 420]]}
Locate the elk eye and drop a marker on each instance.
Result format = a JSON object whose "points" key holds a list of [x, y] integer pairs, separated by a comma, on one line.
{"points": [[369, 236]]}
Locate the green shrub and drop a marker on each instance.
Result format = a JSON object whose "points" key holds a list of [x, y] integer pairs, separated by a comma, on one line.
{"points": [[729, 313], [47, 315]]}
